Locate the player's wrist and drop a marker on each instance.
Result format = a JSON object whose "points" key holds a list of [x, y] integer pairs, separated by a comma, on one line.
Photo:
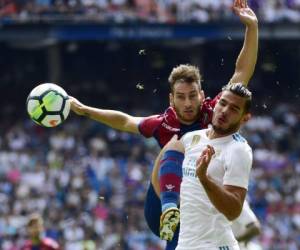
{"points": [[252, 25], [203, 178]]}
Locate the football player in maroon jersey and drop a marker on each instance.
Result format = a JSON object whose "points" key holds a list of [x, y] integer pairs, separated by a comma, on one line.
{"points": [[188, 111]]}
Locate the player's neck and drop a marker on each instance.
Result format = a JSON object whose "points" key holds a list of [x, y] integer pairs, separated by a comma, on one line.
{"points": [[36, 240], [186, 123], [212, 134]]}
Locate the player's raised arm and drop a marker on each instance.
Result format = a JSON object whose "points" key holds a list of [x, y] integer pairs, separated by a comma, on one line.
{"points": [[247, 58], [112, 118]]}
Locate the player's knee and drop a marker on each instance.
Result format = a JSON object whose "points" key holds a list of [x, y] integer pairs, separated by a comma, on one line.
{"points": [[174, 145]]}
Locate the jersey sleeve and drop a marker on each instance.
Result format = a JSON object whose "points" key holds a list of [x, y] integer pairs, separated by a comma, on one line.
{"points": [[148, 125], [213, 102], [238, 164], [162, 127]]}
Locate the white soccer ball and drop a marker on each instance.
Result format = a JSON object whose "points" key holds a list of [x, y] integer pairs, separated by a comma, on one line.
{"points": [[48, 105]]}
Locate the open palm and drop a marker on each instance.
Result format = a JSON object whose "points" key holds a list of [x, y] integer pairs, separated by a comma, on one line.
{"points": [[246, 15]]}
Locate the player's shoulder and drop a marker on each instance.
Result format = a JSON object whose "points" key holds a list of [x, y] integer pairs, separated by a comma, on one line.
{"points": [[239, 143], [168, 115], [148, 124], [207, 105], [239, 140], [211, 102], [151, 117], [206, 111]]}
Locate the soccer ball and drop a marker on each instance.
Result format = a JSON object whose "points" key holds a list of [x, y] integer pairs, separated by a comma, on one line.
{"points": [[48, 105]]}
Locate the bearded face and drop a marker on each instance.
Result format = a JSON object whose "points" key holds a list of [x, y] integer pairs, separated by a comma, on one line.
{"points": [[186, 99], [229, 114]]}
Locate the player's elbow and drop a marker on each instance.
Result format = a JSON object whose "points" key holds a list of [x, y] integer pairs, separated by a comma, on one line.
{"points": [[174, 145], [234, 213]]}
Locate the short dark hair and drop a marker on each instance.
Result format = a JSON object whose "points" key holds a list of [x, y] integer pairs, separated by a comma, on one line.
{"points": [[242, 91], [184, 73]]}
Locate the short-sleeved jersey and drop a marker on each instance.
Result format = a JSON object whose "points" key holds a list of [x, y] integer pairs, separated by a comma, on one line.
{"points": [[164, 126], [202, 225], [46, 244]]}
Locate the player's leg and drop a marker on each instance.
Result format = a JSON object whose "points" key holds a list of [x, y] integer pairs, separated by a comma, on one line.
{"points": [[152, 210], [172, 244], [152, 207], [169, 177], [153, 204]]}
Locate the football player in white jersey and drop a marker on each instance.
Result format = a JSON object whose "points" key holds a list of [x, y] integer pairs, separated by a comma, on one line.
{"points": [[216, 168]]}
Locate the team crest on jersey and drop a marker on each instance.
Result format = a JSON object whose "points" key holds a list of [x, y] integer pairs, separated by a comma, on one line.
{"points": [[195, 140]]}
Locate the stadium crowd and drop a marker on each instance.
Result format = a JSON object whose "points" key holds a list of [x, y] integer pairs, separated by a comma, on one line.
{"points": [[149, 11], [90, 186], [89, 182]]}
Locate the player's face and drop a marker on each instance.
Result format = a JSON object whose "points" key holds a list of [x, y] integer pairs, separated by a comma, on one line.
{"points": [[186, 99], [229, 113], [35, 229]]}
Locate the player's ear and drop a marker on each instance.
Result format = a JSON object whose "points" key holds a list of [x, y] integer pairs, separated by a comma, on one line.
{"points": [[246, 118], [171, 100]]}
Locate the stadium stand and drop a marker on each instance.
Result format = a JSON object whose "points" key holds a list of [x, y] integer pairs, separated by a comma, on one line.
{"points": [[82, 177], [152, 11]]}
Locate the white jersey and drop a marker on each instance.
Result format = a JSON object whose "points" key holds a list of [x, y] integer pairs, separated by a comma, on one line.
{"points": [[202, 226]]}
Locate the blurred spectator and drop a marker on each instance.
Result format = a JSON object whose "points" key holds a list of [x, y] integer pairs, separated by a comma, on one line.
{"points": [[150, 11], [35, 230], [99, 203], [88, 182]]}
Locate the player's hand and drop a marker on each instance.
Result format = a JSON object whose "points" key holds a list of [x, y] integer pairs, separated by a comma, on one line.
{"points": [[76, 106], [246, 15], [203, 162]]}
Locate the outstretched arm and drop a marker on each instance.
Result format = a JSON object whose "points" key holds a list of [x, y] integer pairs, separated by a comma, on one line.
{"points": [[247, 58], [112, 118]]}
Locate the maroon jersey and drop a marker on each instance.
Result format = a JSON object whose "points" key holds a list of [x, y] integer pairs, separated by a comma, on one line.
{"points": [[46, 244], [163, 126]]}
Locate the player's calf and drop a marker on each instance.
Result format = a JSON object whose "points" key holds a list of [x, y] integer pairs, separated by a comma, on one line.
{"points": [[170, 177]]}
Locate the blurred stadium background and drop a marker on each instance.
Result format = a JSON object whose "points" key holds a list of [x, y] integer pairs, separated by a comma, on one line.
{"points": [[89, 181]]}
